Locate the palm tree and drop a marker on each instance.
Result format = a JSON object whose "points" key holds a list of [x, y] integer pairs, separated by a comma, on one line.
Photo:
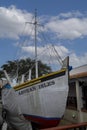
{"points": [[17, 68]]}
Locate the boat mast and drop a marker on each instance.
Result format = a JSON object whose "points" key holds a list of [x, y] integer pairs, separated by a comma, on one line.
{"points": [[35, 40], [36, 62]]}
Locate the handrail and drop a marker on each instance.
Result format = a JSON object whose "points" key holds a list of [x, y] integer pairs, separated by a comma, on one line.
{"points": [[81, 126]]}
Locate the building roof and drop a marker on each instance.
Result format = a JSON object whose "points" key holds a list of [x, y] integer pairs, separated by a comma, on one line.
{"points": [[78, 72]]}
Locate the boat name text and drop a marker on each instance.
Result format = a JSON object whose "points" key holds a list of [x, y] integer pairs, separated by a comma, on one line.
{"points": [[33, 88]]}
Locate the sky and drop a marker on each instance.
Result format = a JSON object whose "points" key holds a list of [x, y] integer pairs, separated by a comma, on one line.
{"points": [[61, 23]]}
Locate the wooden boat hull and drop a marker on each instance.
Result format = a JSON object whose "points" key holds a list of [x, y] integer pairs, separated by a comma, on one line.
{"points": [[43, 100]]}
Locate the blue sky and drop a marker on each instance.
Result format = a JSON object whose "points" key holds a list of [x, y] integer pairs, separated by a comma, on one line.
{"points": [[65, 23]]}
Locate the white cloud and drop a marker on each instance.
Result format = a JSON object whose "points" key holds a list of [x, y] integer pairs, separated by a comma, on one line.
{"points": [[69, 25], [49, 56], [61, 50], [70, 28], [76, 61], [12, 21], [71, 14]]}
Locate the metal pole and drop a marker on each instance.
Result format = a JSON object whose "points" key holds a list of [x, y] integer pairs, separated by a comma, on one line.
{"points": [[36, 62], [7, 77]]}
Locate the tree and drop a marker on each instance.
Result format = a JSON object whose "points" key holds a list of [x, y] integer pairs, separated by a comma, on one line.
{"points": [[19, 67]]}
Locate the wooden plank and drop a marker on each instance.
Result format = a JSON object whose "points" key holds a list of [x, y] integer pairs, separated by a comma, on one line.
{"points": [[71, 126]]}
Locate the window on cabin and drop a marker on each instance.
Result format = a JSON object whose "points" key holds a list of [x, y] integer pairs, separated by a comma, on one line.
{"points": [[71, 100]]}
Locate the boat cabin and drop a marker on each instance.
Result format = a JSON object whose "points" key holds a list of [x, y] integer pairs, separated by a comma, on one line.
{"points": [[76, 110]]}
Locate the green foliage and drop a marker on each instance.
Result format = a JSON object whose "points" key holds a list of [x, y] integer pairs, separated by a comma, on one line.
{"points": [[22, 67]]}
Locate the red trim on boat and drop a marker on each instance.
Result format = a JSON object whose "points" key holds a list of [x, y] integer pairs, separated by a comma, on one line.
{"points": [[43, 122]]}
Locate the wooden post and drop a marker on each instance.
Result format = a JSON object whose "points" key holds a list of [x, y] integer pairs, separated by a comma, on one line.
{"points": [[79, 101], [80, 126]]}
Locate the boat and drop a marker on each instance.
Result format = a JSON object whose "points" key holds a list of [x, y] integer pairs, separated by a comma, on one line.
{"points": [[43, 99]]}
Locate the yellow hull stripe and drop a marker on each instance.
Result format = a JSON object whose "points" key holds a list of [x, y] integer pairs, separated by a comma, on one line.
{"points": [[37, 80]]}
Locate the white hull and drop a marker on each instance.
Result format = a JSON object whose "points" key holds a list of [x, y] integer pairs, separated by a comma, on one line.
{"points": [[44, 97]]}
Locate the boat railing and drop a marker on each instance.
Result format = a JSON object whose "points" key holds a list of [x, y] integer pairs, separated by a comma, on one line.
{"points": [[78, 126]]}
